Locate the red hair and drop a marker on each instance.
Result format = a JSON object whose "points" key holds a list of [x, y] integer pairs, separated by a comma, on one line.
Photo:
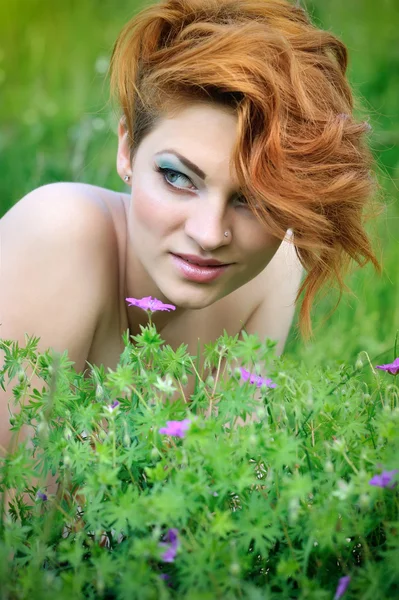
{"points": [[300, 155]]}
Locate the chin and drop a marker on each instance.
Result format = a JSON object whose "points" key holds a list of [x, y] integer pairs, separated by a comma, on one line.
{"points": [[192, 300]]}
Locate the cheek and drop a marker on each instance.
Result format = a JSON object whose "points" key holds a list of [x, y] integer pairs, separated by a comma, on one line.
{"points": [[150, 212], [261, 245]]}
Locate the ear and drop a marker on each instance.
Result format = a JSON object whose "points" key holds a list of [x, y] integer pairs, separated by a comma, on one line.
{"points": [[123, 163]]}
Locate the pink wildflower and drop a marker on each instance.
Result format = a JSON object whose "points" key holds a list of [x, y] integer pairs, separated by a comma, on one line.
{"points": [[342, 587], [384, 479], [256, 379], [150, 304], [392, 368], [176, 428], [111, 407], [171, 546]]}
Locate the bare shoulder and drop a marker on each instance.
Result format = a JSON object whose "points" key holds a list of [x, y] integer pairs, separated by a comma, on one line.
{"points": [[285, 261], [274, 292], [52, 203], [56, 246]]}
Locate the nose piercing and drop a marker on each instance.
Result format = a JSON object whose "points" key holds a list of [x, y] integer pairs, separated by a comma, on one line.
{"points": [[226, 234]]}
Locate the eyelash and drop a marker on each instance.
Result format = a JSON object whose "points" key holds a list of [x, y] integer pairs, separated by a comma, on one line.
{"points": [[164, 170]]}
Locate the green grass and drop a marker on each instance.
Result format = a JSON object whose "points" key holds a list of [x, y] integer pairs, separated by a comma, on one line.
{"points": [[56, 124]]}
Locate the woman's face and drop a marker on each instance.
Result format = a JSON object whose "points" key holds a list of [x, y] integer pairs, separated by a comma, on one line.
{"points": [[185, 209]]}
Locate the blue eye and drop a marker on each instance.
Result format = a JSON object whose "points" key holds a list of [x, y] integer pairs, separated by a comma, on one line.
{"points": [[165, 173]]}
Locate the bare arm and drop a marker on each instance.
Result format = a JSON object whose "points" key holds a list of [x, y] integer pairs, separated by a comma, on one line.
{"points": [[52, 276], [273, 316]]}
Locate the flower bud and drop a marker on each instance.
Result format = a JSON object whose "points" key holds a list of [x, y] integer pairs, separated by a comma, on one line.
{"points": [[99, 393], [67, 460], [359, 363], [261, 412], [126, 440], [184, 379], [339, 445], [329, 467], [235, 568], [43, 428], [293, 510], [21, 376], [102, 435], [210, 381], [154, 452], [364, 500]]}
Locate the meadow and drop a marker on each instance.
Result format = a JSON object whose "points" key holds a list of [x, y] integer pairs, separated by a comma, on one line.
{"points": [[154, 500], [57, 124]]}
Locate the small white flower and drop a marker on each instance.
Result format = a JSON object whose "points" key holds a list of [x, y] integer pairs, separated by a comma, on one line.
{"points": [[165, 385], [344, 490], [338, 445]]}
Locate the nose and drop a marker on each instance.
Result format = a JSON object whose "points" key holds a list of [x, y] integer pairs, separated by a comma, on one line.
{"points": [[207, 223]]}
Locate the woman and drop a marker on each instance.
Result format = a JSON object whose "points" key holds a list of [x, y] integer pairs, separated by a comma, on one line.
{"points": [[238, 143]]}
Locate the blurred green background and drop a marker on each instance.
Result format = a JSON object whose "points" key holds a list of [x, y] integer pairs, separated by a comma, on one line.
{"points": [[56, 124]]}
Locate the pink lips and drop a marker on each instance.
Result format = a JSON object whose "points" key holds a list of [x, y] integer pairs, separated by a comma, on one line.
{"points": [[202, 262], [198, 273]]}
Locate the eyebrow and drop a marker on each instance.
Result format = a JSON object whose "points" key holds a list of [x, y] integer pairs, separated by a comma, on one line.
{"points": [[187, 163]]}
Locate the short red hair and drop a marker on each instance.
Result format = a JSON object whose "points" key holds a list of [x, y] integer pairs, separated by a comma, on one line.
{"points": [[300, 154]]}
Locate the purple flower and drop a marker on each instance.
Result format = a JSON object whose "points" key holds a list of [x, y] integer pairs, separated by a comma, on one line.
{"points": [[171, 546], [41, 496], [256, 379], [342, 587], [384, 479], [392, 368], [176, 428], [111, 407], [150, 304]]}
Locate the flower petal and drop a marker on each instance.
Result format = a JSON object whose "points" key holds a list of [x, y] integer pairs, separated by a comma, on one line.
{"points": [[342, 587], [384, 479], [150, 304], [175, 428], [392, 368], [256, 379]]}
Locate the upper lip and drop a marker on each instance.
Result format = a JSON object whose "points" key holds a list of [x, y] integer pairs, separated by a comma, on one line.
{"points": [[201, 261]]}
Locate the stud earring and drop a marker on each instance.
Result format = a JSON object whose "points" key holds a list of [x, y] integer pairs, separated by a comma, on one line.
{"points": [[126, 177]]}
